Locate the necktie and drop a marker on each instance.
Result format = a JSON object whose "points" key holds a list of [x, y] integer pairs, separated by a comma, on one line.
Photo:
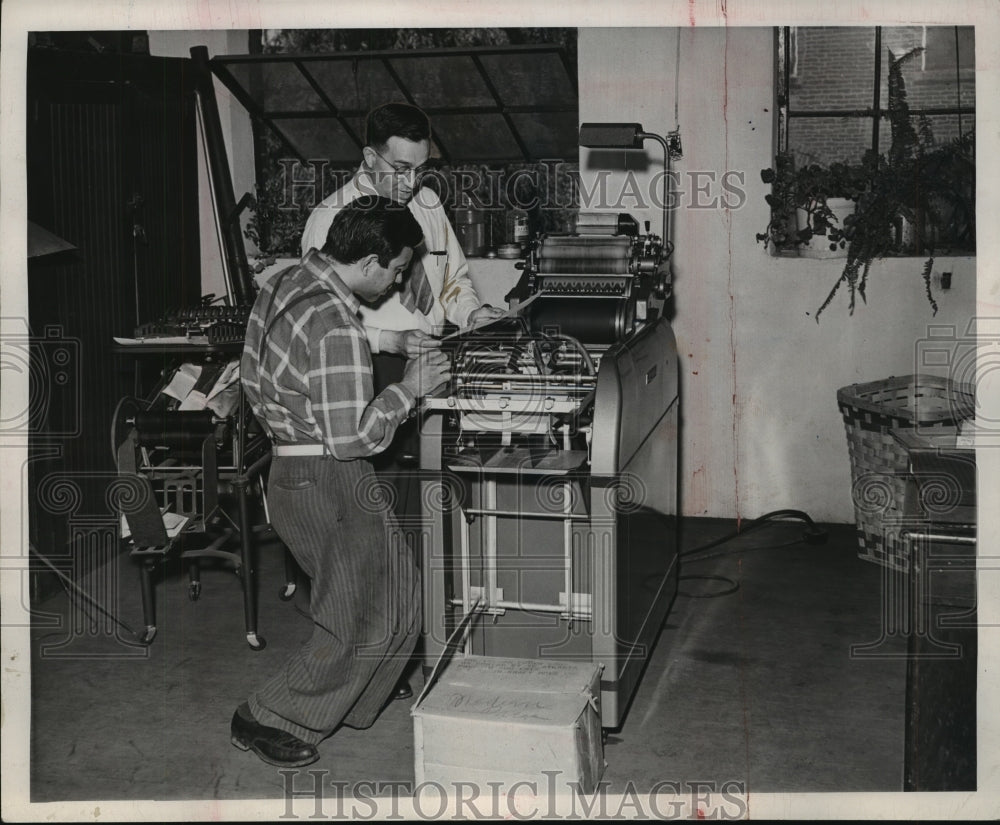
{"points": [[417, 295]]}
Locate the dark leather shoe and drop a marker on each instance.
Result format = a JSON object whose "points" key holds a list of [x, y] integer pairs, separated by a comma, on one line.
{"points": [[273, 745], [402, 689]]}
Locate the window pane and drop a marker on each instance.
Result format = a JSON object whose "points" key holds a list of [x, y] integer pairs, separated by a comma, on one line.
{"points": [[941, 45], [442, 82], [277, 87], [933, 130], [354, 85], [483, 138], [319, 139], [827, 139], [551, 135], [897, 43], [936, 180], [900, 39], [832, 67], [930, 82], [529, 79]]}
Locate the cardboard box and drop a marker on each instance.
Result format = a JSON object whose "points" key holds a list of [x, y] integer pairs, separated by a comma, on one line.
{"points": [[490, 719]]}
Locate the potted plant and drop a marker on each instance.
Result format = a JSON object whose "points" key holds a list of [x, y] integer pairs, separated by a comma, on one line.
{"points": [[274, 228], [811, 206], [910, 200], [910, 189]]}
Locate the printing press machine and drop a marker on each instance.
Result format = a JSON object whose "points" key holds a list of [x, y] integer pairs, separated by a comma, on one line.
{"points": [[548, 470], [549, 467]]}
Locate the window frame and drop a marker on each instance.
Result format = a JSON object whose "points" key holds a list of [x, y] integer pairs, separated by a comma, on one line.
{"points": [[786, 57]]}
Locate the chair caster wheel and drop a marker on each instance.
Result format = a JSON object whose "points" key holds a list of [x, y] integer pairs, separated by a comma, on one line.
{"points": [[287, 592], [194, 591], [147, 636], [256, 642]]}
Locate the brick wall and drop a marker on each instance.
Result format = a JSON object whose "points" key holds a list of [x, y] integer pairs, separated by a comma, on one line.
{"points": [[833, 68]]}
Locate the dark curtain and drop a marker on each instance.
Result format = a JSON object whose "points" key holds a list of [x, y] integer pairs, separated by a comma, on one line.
{"points": [[112, 169]]}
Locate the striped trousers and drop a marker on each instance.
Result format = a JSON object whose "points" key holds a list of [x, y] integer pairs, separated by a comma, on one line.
{"points": [[365, 597]]}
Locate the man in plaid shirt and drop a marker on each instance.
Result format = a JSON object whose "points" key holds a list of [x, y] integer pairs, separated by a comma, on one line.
{"points": [[438, 289], [307, 373]]}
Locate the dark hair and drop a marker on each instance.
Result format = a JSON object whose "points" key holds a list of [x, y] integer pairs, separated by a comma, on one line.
{"points": [[396, 120], [371, 225]]}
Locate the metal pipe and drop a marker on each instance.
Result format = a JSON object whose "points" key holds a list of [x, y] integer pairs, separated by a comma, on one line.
{"points": [[877, 93], [568, 543], [944, 537], [666, 179], [516, 377], [525, 514], [506, 604], [466, 579], [222, 181], [227, 277], [490, 565]]}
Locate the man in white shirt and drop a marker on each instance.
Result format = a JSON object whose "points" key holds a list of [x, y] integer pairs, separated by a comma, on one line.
{"points": [[438, 288]]}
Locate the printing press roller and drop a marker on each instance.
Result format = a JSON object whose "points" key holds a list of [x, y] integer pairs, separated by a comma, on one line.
{"points": [[557, 254], [595, 288], [593, 319], [178, 449], [160, 428]]}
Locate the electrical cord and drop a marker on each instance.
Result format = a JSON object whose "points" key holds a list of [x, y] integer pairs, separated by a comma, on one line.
{"points": [[733, 586], [722, 553], [812, 535]]}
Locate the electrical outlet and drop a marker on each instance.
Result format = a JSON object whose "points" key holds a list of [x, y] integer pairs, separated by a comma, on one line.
{"points": [[674, 145], [941, 280]]}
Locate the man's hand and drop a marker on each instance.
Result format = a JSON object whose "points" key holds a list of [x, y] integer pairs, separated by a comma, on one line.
{"points": [[411, 342], [416, 342], [484, 314], [427, 373]]}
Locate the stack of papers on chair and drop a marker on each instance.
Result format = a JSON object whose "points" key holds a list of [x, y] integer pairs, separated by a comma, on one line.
{"points": [[969, 432], [172, 521]]}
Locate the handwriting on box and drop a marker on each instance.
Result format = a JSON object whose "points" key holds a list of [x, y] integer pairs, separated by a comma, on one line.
{"points": [[497, 705]]}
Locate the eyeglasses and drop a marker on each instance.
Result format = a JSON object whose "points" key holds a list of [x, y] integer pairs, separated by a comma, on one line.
{"points": [[404, 171]]}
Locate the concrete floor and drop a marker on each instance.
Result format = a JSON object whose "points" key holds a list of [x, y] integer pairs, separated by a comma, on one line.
{"points": [[757, 687]]}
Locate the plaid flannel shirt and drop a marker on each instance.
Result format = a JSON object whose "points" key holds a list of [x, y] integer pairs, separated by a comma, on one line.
{"points": [[310, 379], [438, 287]]}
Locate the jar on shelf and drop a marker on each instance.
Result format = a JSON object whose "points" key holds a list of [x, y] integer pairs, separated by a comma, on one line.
{"points": [[471, 230], [518, 231]]}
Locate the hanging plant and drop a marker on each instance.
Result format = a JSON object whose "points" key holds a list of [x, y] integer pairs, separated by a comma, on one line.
{"points": [[919, 197]]}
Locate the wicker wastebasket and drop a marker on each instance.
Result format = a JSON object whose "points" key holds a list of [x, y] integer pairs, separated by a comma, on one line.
{"points": [[879, 462]]}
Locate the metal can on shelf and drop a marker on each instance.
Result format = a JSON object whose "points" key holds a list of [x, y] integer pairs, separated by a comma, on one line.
{"points": [[471, 230]]}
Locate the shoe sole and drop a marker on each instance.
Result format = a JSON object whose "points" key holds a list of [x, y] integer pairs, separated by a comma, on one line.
{"points": [[243, 746]]}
